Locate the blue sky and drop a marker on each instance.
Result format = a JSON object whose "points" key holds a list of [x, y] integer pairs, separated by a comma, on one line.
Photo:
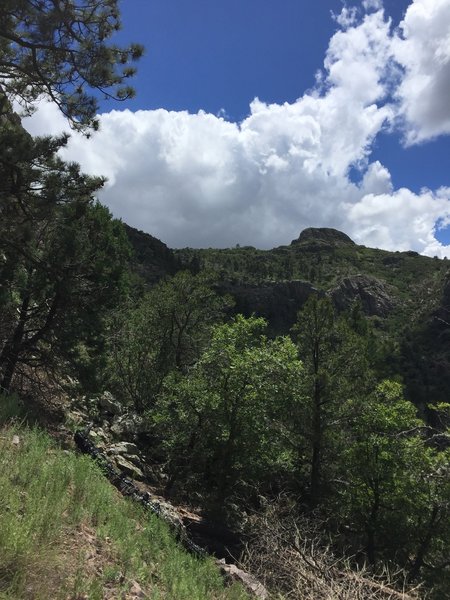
{"points": [[232, 138], [211, 55]]}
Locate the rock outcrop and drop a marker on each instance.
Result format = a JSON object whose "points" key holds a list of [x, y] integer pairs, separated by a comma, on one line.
{"points": [[323, 236], [278, 302], [373, 295]]}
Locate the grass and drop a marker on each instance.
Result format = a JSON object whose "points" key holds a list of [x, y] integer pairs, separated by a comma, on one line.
{"points": [[66, 533]]}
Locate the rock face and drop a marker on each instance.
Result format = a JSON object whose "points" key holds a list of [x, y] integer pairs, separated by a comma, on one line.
{"points": [[372, 293], [278, 302], [323, 236]]}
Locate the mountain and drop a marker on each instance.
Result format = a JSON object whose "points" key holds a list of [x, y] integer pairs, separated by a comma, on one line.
{"points": [[152, 259], [406, 296]]}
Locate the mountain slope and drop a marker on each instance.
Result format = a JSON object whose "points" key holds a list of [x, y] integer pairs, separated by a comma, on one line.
{"points": [[405, 295]]}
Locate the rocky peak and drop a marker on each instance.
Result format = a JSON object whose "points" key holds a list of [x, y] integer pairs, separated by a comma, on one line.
{"points": [[323, 236]]}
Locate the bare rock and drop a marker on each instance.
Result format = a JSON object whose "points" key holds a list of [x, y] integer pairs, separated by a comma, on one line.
{"points": [[129, 425], [108, 403], [135, 459], [371, 292], [136, 591], [232, 573], [323, 236], [129, 468], [77, 416], [98, 437], [123, 448], [278, 302]]}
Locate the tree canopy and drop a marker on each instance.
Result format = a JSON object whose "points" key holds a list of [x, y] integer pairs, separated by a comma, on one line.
{"points": [[59, 49], [62, 257]]}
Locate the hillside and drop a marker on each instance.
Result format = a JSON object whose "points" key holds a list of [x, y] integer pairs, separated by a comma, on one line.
{"points": [[405, 295], [65, 533]]}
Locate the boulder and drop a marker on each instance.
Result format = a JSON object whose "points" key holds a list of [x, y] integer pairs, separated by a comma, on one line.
{"points": [[129, 425], [232, 573], [108, 403], [127, 467], [98, 437], [135, 459]]}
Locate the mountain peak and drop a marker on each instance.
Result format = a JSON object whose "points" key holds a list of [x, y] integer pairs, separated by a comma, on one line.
{"points": [[323, 236]]}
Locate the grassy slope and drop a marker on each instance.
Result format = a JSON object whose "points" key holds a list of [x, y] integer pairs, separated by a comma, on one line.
{"points": [[66, 533]]}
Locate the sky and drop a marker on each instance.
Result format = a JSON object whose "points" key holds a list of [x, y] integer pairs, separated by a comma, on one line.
{"points": [[255, 119]]}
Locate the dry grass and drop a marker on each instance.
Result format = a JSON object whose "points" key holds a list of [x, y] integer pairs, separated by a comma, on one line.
{"points": [[287, 554]]}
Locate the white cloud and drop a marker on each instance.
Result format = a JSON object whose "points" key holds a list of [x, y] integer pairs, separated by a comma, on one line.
{"points": [[401, 220], [372, 4], [422, 48], [199, 180]]}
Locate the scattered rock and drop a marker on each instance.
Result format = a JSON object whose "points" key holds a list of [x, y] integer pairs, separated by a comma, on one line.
{"points": [[76, 416], [108, 403], [128, 426], [98, 437], [127, 467], [15, 440], [123, 448]]}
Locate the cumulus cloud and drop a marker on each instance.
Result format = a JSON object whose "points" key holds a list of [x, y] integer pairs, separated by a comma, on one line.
{"points": [[422, 48], [199, 180]]}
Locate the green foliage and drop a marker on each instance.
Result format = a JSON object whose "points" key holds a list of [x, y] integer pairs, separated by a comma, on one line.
{"points": [[336, 371], [219, 421], [48, 498], [62, 257], [167, 330], [60, 50], [396, 494], [11, 408]]}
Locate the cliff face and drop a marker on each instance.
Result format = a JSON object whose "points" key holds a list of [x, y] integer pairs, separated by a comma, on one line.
{"points": [[372, 294], [278, 302]]}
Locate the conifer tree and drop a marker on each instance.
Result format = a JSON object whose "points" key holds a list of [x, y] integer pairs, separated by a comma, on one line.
{"points": [[59, 49]]}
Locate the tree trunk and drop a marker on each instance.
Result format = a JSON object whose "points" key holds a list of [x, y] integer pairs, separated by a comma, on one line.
{"points": [[372, 524], [316, 459], [424, 545], [11, 351]]}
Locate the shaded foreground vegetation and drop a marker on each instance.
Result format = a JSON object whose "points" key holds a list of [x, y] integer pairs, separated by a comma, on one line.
{"points": [[235, 416]]}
